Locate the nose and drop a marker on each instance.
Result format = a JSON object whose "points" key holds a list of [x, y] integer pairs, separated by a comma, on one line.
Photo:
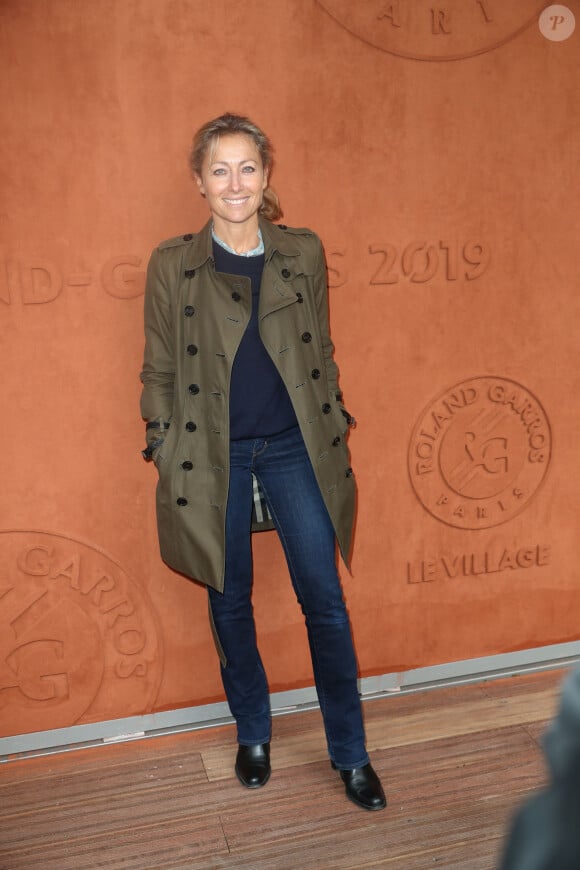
{"points": [[235, 180]]}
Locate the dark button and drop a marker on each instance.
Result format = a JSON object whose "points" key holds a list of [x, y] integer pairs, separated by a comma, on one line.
{"points": [[187, 237], [315, 374], [306, 337], [348, 472], [338, 396], [193, 389], [187, 465], [336, 441], [192, 349], [189, 310], [326, 409], [236, 296], [181, 502], [285, 273], [282, 227], [189, 273], [191, 427], [299, 297]]}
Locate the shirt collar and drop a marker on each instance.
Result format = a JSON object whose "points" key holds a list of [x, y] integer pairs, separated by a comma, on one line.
{"points": [[255, 252], [275, 239]]}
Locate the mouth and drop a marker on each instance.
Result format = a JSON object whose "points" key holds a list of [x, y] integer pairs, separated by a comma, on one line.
{"points": [[236, 202]]}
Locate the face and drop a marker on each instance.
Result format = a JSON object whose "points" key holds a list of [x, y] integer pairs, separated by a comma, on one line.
{"points": [[233, 180]]}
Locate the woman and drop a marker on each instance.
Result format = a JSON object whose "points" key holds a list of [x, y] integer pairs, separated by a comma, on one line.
{"points": [[239, 385]]}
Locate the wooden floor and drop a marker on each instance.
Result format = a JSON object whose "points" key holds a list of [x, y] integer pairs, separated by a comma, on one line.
{"points": [[454, 762]]}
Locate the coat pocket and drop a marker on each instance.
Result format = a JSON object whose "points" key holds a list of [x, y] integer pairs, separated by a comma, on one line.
{"points": [[342, 418], [163, 453]]}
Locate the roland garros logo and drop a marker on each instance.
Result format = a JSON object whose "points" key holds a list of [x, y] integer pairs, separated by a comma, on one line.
{"points": [[79, 639], [425, 30], [479, 452]]}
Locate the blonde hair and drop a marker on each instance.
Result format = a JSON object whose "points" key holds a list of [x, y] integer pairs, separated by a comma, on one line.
{"points": [[208, 136]]}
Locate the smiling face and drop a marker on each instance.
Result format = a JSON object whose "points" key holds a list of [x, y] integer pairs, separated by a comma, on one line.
{"points": [[233, 181]]}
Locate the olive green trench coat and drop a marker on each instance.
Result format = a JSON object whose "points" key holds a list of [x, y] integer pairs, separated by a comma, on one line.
{"points": [[194, 321]]}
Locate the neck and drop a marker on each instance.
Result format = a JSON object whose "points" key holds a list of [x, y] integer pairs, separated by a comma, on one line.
{"points": [[240, 237]]}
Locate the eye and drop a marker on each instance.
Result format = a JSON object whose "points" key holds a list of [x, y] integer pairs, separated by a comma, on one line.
{"points": [[218, 171], [249, 169]]}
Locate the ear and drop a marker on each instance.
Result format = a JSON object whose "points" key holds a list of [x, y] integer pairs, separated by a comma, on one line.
{"points": [[199, 183], [265, 182]]}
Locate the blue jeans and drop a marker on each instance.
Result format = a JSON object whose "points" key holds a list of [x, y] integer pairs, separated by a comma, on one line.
{"points": [[285, 474]]}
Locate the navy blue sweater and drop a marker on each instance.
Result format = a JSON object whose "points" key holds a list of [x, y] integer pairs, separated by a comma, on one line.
{"points": [[259, 402]]}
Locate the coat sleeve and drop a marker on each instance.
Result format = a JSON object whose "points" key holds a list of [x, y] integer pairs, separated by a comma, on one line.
{"points": [[158, 374], [321, 299]]}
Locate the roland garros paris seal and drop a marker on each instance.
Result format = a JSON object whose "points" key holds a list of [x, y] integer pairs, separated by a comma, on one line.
{"points": [[479, 452], [424, 30], [80, 640]]}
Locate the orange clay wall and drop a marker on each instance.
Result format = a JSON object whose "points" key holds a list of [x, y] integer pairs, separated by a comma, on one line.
{"points": [[434, 148]]}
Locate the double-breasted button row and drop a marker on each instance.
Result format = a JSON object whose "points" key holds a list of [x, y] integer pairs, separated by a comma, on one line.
{"points": [[336, 441], [190, 426], [191, 349], [285, 273], [187, 465], [349, 472], [188, 237], [306, 337], [326, 408], [189, 273], [315, 374], [189, 310], [193, 389], [181, 501], [236, 296]]}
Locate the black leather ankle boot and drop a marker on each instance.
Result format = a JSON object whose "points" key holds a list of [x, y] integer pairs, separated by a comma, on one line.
{"points": [[253, 765], [363, 787]]}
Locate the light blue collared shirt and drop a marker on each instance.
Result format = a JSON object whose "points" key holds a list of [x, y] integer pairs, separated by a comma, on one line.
{"points": [[255, 252]]}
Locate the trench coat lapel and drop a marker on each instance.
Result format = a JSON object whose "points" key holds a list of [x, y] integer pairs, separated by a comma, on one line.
{"points": [[275, 291]]}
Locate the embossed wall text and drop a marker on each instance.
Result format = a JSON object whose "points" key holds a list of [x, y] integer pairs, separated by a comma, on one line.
{"points": [[477, 564], [426, 30], [417, 262], [37, 280]]}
